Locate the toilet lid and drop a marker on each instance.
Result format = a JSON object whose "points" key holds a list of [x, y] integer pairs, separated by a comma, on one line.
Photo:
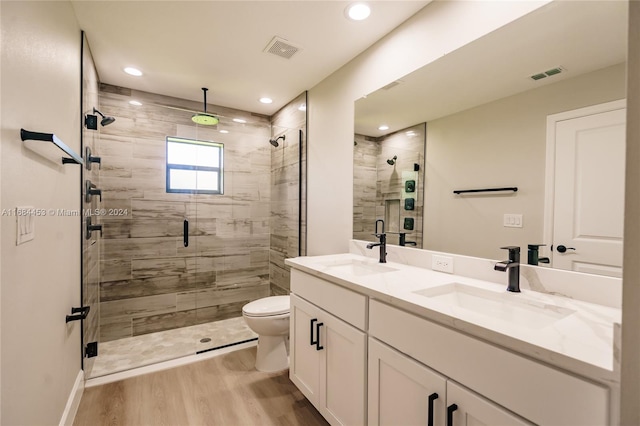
{"points": [[273, 305]]}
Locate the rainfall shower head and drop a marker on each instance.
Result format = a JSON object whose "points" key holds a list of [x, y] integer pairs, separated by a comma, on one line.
{"points": [[204, 118], [392, 161], [106, 120], [274, 142]]}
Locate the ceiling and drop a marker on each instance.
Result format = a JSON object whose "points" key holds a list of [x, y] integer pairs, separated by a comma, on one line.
{"points": [[182, 46], [581, 36]]}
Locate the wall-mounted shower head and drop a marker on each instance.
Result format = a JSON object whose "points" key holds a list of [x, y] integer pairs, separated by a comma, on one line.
{"points": [[392, 161], [274, 142], [106, 120]]}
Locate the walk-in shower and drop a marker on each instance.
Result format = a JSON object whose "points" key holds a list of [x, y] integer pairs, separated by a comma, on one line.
{"points": [[151, 294]]}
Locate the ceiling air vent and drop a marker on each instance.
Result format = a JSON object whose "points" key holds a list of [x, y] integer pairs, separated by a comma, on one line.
{"points": [[547, 73], [281, 47]]}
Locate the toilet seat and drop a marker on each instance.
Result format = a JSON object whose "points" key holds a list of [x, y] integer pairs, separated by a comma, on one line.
{"points": [[267, 307]]}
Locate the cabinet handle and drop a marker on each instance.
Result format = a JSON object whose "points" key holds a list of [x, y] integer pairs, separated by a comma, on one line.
{"points": [[432, 398], [450, 410], [318, 346], [311, 341]]}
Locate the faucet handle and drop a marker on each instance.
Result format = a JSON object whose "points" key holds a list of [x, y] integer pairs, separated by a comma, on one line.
{"points": [[514, 253], [535, 246]]}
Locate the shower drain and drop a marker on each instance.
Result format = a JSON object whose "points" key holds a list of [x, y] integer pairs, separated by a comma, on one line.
{"points": [[205, 340]]}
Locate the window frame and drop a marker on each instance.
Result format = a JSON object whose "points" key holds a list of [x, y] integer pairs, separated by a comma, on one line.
{"points": [[170, 166]]}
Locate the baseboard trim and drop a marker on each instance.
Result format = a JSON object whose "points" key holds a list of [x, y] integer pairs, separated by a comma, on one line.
{"points": [[97, 381], [73, 402]]}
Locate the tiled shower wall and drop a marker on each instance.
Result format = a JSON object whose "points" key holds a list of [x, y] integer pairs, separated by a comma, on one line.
{"points": [[149, 280], [90, 247], [288, 176], [379, 188], [366, 151]]}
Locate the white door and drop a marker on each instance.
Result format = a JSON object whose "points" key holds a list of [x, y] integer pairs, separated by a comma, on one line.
{"points": [[403, 391], [589, 192]]}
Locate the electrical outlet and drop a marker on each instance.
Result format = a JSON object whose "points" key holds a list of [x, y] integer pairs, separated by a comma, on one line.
{"points": [[442, 263]]}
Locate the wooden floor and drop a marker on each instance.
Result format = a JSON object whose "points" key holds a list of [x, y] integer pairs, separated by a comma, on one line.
{"points": [[225, 390]]}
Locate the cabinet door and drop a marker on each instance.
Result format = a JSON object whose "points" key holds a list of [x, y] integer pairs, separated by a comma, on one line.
{"points": [[470, 409], [403, 391], [304, 356], [342, 372]]}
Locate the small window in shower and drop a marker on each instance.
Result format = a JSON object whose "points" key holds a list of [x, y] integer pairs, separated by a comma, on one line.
{"points": [[194, 167]]}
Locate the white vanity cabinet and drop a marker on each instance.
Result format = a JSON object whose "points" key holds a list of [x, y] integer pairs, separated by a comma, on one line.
{"points": [[534, 391], [367, 357], [403, 391], [328, 348]]}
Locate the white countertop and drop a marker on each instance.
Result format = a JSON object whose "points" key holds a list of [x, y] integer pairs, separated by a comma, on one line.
{"points": [[581, 341]]}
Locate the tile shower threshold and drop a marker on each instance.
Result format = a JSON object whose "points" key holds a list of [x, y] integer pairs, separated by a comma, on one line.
{"points": [[165, 365], [139, 351]]}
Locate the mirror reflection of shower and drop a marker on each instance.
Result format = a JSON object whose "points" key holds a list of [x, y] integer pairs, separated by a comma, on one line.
{"points": [[274, 142], [392, 161]]}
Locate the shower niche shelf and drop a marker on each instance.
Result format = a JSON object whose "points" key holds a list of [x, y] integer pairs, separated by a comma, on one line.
{"points": [[45, 150]]}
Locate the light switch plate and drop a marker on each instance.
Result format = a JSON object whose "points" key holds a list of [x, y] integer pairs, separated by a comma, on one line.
{"points": [[25, 225], [512, 220]]}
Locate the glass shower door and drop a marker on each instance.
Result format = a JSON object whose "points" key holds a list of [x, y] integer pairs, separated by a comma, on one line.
{"points": [[232, 233], [90, 178]]}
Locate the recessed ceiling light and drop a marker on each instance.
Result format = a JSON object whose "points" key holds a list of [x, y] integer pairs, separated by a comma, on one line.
{"points": [[266, 100], [239, 120], [383, 127], [133, 71], [224, 131], [358, 11], [302, 107], [135, 103]]}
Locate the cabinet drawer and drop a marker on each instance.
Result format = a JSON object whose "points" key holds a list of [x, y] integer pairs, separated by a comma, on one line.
{"points": [[535, 391], [343, 303]]}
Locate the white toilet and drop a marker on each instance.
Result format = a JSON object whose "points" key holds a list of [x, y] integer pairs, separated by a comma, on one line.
{"points": [[269, 319]]}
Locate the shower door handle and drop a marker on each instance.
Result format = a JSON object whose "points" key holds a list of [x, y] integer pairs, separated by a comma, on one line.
{"points": [[186, 232]]}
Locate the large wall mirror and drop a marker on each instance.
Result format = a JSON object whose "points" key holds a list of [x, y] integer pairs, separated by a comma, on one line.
{"points": [[486, 108]]}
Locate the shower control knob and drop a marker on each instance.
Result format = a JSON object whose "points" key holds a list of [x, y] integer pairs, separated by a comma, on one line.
{"points": [[562, 249]]}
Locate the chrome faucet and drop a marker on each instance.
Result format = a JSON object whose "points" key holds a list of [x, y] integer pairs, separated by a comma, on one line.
{"points": [[513, 266], [382, 244]]}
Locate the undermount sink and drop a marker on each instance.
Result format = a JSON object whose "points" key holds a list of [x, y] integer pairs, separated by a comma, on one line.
{"points": [[512, 308], [356, 267]]}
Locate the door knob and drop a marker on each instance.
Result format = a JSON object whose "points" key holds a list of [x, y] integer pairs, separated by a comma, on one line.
{"points": [[562, 249]]}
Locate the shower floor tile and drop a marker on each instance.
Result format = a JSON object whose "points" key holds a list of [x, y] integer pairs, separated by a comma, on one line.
{"points": [[138, 351]]}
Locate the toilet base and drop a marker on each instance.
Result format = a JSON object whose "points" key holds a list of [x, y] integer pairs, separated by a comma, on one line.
{"points": [[272, 354]]}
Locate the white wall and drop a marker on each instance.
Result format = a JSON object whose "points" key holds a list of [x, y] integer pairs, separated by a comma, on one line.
{"points": [[630, 409], [494, 145], [40, 280], [437, 29]]}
